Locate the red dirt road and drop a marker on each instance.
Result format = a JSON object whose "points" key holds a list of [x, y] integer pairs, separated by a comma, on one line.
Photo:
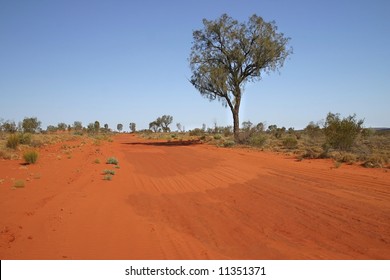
{"points": [[190, 202]]}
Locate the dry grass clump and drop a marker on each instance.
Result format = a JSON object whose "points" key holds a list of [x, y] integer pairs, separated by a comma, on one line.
{"points": [[30, 157], [13, 141]]}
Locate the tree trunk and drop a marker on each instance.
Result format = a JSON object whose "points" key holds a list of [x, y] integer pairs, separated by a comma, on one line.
{"points": [[236, 111], [236, 124]]}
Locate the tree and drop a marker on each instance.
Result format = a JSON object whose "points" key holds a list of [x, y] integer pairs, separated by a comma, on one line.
{"points": [[96, 126], [226, 54], [77, 126], [132, 127], [154, 126], [62, 126], [31, 125], [247, 125], [91, 128], [165, 121], [106, 126], [179, 127], [51, 128], [119, 127], [9, 126]]}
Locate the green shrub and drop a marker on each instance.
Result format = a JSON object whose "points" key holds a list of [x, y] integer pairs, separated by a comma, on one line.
{"points": [[217, 136], [13, 141], [107, 178], [341, 133], [228, 143], [290, 142], [258, 140], [108, 172], [196, 132], [112, 160], [30, 157]]}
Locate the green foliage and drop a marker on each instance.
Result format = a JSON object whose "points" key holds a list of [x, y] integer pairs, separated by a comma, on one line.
{"points": [[247, 125], [258, 140], [226, 54], [62, 126], [31, 125], [107, 177], [217, 136], [30, 157], [228, 143], [13, 141], [161, 124], [25, 138], [77, 126], [51, 128], [108, 172], [119, 127], [112, 160], [341, 133], [313, 130], [96, 126], [132, 127], [196, 132], [290, 142], [9, 126]]}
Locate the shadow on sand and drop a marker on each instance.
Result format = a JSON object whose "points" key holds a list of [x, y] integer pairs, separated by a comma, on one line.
{"points": [[167, 144]]}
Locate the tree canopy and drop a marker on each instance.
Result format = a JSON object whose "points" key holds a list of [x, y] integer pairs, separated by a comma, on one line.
{"points": [[226, 54]]}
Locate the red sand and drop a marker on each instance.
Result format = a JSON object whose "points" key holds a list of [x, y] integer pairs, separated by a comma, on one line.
{"points": [[190, 202]]}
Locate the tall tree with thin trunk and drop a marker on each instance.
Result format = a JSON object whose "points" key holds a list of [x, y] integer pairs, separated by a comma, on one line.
{"points": [[226, 54]]}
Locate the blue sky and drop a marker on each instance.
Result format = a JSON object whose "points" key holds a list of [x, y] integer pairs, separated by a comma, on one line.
{"points": [[127, 61]]}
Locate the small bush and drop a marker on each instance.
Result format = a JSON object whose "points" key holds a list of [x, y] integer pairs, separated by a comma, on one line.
{"points": [[290, 142], [312, 153], [107, 178], [341, 133], [375, 161], [30, 157], [258, 140], [108, 172], [13, 141], [25, 139], [217, 136], [19, 184], [228, 143], [112, 160], [196, 132]]}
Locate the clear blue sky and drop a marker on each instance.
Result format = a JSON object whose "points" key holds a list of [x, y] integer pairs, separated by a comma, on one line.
{"points": [[127, 61]]}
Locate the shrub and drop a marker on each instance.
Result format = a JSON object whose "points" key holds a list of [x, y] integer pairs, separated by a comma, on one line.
{"points": [[13, 141], [341, 133], [290, 142], [375, 161], [19, 184], [217, 136], [112, 160], [196, 132], [107, 178], [228, 143], [258, 140], [30, 157], [25, 138], [108, 172]]}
